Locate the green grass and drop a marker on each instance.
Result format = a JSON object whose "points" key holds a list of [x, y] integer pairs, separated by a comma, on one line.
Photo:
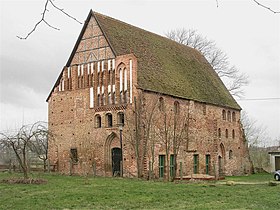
{"points": [[65, 192]]}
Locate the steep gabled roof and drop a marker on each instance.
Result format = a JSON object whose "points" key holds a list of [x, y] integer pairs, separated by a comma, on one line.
{"points": [[164, 66]]}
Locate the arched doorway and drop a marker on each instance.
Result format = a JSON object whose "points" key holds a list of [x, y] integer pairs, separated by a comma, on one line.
{"points": [[116, 161], [221, 160]]}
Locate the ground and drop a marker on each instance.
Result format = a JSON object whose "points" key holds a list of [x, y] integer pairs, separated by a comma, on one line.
{"points": [[75, 192]]}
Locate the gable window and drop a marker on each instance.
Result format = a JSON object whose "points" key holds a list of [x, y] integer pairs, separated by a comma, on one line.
{"points": [[121, 118], [74, 155], [109, 120], [224, 114], [98, 121]]}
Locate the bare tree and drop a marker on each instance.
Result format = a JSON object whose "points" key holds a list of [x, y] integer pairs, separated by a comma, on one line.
{"points": [[21, 141], [231, 76], [173, 132], [141, 128], [39, 143]]}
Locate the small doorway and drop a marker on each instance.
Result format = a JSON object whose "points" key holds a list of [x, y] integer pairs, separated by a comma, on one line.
{"points": [[116, 161]]}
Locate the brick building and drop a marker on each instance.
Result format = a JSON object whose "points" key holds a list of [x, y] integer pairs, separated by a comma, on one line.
{"points": [[132, 101]]}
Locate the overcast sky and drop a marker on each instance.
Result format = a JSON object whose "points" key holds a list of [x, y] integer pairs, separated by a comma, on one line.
{"points": [[248, 33]]}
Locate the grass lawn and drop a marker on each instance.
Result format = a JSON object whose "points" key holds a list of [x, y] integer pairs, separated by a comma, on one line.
{"points": [[65, 192]]}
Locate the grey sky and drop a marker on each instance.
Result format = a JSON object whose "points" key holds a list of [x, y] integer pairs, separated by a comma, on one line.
{"points": [[249, 34]]}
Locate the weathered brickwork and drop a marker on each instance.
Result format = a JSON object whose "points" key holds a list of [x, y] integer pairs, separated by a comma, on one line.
{"points": [[97, 102]]}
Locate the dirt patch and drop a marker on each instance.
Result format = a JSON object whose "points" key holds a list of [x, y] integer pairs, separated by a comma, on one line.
{"points": [[23, 181]]}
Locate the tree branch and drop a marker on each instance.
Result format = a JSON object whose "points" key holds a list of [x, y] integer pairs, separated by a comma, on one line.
{"points": [[268, 8], [44, 20]]}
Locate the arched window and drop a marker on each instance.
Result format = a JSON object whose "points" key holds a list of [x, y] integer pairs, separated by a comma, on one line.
{"points": [[224, 114], [230, 154], [229, 116], [109, 120], [219, 133], [233, 117], [98, 121], [233, 134], [121, 118], [161, 104], [226, 133], [176, 107]]}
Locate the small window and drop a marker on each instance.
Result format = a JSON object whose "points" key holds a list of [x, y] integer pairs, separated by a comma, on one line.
{"points": [[98, 121], [195, 164], [103, 99], [233, 134], [226, 133], [113, 77], [161, 104], [109, 120], [74, 155], [161, 165], [230, 154], [233, 117], [207, 164], [172, 166], [229, 116], [176, 107], [219, 133], [121, 118], [224, 115]]}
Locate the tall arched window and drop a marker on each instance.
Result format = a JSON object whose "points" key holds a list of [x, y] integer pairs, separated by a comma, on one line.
{"points": [[109, 118], [161, 104], [229, 116], [219, 133], [98, 121], [176, 107], [226, 133], [233, 117], [224, 114], [233, 134]]}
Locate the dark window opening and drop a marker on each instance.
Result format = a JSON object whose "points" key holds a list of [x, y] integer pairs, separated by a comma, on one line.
{"points": [[98, 121], [109, 120], [195, 164], [219, 133], [230, 154], [161, 104], [176, 107], [226, 133], [161, 165], [224, 115], [233, 134], [74, 155], [121, 118]]}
